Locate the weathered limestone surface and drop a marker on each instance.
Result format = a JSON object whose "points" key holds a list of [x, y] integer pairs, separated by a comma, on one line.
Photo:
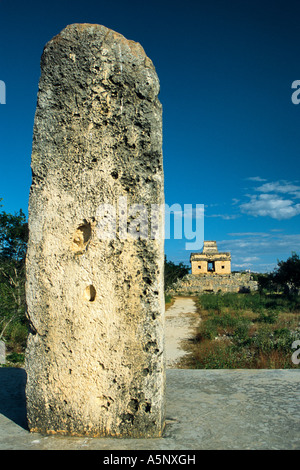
{"points": [[95, 354]]}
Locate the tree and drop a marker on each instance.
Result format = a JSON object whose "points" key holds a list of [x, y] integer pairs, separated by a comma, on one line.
{"points": [[173, 272], [13, 244], [287, 273], [265, 282]]}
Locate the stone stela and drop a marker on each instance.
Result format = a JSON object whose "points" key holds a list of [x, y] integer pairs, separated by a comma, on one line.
{"points": [[95, 356]]}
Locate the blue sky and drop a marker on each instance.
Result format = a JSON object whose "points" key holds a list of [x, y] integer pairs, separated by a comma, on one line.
{"points": [[230, 128]]}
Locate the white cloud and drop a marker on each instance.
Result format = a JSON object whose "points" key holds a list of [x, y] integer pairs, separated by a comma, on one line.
{"points": [[241, 266], [235, 201], [249, 259], [256, 178], [248, 234], [259, 252], [270, 205], [261, 245], [224, 216], [282, 187], [245, 262], [276, 199]]}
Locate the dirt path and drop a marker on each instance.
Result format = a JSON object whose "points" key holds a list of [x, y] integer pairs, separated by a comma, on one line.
{"points": [[181, 321]]}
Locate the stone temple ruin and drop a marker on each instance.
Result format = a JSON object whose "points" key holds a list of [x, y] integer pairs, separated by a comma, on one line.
{"points": [[211, 272], [210, 260], [95, 358]]}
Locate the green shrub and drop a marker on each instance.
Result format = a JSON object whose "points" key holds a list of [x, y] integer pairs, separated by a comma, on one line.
{"points": [[235, 326], [207, 330], [232, 301], [16, 336], [241, 334], [264, 339], [221, 355], [268, 317], [253, 302], [19, 334], [284, 339], [15, 358]]}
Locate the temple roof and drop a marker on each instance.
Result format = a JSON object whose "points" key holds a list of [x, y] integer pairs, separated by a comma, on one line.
{"points": [[210, 251]]}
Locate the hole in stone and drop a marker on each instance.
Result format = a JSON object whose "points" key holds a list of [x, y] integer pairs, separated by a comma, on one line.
{"points": [[147, 407], [81, 237], [133, 405], [115, 174], [128, 418], [90, 293]]}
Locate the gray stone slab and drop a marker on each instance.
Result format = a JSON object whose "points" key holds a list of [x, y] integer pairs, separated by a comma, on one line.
{"points": [[206, 410], [2, 352]]}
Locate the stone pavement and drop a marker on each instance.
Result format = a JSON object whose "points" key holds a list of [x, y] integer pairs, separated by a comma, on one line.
{"points": [[206, 409]]}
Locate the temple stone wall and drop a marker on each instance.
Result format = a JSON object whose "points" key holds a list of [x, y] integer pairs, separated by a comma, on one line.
{"points": [[194, 284]]}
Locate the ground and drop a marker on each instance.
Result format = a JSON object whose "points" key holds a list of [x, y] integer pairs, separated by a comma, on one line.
{"points": [[181, 321]]}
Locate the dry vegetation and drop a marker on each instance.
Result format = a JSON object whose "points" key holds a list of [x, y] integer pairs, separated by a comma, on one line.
{"points": [[252, 331]]}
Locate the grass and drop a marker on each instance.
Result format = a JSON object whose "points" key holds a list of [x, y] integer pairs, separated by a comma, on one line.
{"points": [[252, 331]]}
